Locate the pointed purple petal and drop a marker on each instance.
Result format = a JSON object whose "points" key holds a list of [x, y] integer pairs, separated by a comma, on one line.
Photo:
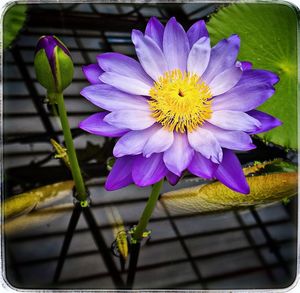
{"points": [[133, 142], [150, 55], [125, 83], [130, 119], [147, 171], [204, 142], [199, 56], [202, 167], [267, 121], [234, 120], [234, 140], [258, 76], [95, 125], [159, 142], [253, 89], [123, 65], [176, 45], [196, 32], [246, 65], [92, 73], [172, 178], [109, 98], [179, 155], [223, 56], [243, 98], [230, 173], [226, 80], [155, 30], [120, 175]]}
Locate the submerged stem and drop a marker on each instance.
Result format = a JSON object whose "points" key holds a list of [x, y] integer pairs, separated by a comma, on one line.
{"points": [[75, 169], [137, 235]]}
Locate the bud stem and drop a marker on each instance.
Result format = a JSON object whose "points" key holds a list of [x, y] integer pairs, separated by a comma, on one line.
{"points": [[143, 222], [75, 169]]}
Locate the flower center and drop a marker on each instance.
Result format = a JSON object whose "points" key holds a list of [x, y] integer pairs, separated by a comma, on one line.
{"points": [[180, 101]]}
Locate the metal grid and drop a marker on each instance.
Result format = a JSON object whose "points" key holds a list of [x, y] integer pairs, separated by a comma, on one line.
{"points": [[250, 249]]}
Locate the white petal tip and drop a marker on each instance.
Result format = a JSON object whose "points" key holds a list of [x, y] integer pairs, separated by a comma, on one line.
{"points": [[147, 155]]}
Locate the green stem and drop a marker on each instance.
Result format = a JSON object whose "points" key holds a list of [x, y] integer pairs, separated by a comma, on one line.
{"points": [[75, 169], [142, 225]]}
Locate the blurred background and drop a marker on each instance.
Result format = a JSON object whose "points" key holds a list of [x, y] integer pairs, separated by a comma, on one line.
{"points": [[237, 249]]}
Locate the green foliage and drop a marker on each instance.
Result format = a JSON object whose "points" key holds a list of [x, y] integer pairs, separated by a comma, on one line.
{"points": [[110, 163], [281, 166], [61, 152], [13, 21], [268, 33]]}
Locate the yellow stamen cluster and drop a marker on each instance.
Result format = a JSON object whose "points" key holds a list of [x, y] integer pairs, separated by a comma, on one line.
{"points": [[180, 101]]}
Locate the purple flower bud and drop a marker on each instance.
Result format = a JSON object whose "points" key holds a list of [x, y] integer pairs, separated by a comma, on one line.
{"points": [[53, 64], [48, 43]]}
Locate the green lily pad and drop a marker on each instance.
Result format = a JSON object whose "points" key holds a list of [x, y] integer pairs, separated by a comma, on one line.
{"points": [[216, 197], [13, 21], [25, 202], [268, 167], [268, 35]]}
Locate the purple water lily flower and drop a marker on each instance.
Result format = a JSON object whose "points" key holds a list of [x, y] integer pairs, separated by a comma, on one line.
{"points": [[184, 105]]}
